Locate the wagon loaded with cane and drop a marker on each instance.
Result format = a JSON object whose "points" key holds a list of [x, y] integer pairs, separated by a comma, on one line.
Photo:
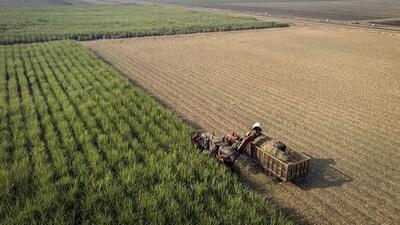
{"points": [[275, 157]]}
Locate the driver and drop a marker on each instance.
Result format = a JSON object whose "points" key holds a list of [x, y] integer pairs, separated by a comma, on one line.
{"points": [[256, 131]]}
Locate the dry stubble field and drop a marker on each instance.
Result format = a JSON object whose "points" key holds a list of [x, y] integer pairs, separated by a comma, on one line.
{"points": [[330, 92]]}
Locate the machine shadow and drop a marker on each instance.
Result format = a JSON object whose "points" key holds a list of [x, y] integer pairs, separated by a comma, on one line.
{"points": [[262, 184], [322, 174]]}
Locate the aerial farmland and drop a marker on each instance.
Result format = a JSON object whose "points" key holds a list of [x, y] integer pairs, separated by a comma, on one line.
{"points": [[100, 100], [311, 86]]}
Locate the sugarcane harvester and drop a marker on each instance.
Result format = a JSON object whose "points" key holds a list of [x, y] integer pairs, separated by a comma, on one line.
{"points": [[228, 148], [275, 157]]}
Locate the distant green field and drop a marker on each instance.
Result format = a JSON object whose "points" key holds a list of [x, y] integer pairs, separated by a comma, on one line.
{"points": [[79, 144], [88, 22]]}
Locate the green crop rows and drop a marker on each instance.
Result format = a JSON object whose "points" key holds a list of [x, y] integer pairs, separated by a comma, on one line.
{"points": [[88, 22], [80, 145]]}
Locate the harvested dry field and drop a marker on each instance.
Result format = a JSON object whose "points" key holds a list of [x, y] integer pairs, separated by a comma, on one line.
{"points": [[331, 92]]}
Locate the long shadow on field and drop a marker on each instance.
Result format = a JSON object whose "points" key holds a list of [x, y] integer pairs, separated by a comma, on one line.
{"points": [[322, 174], [249, 171]]}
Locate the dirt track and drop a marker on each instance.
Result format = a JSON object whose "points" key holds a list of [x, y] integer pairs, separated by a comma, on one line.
{"points": [[333, 93]]}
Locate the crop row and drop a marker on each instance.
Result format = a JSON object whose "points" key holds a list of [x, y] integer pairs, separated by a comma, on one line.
{"points": [[87, 22], [80, 145]]}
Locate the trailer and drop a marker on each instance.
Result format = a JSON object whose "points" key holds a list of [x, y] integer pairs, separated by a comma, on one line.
{"points": [[285, 171], [227, 153]]}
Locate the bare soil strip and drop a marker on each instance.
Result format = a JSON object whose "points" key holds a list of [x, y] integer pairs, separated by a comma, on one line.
{"points": [[344, 10], [330, 92]]}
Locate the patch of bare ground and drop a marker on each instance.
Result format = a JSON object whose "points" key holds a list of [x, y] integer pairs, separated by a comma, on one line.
{"points": [[331, 92]]}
